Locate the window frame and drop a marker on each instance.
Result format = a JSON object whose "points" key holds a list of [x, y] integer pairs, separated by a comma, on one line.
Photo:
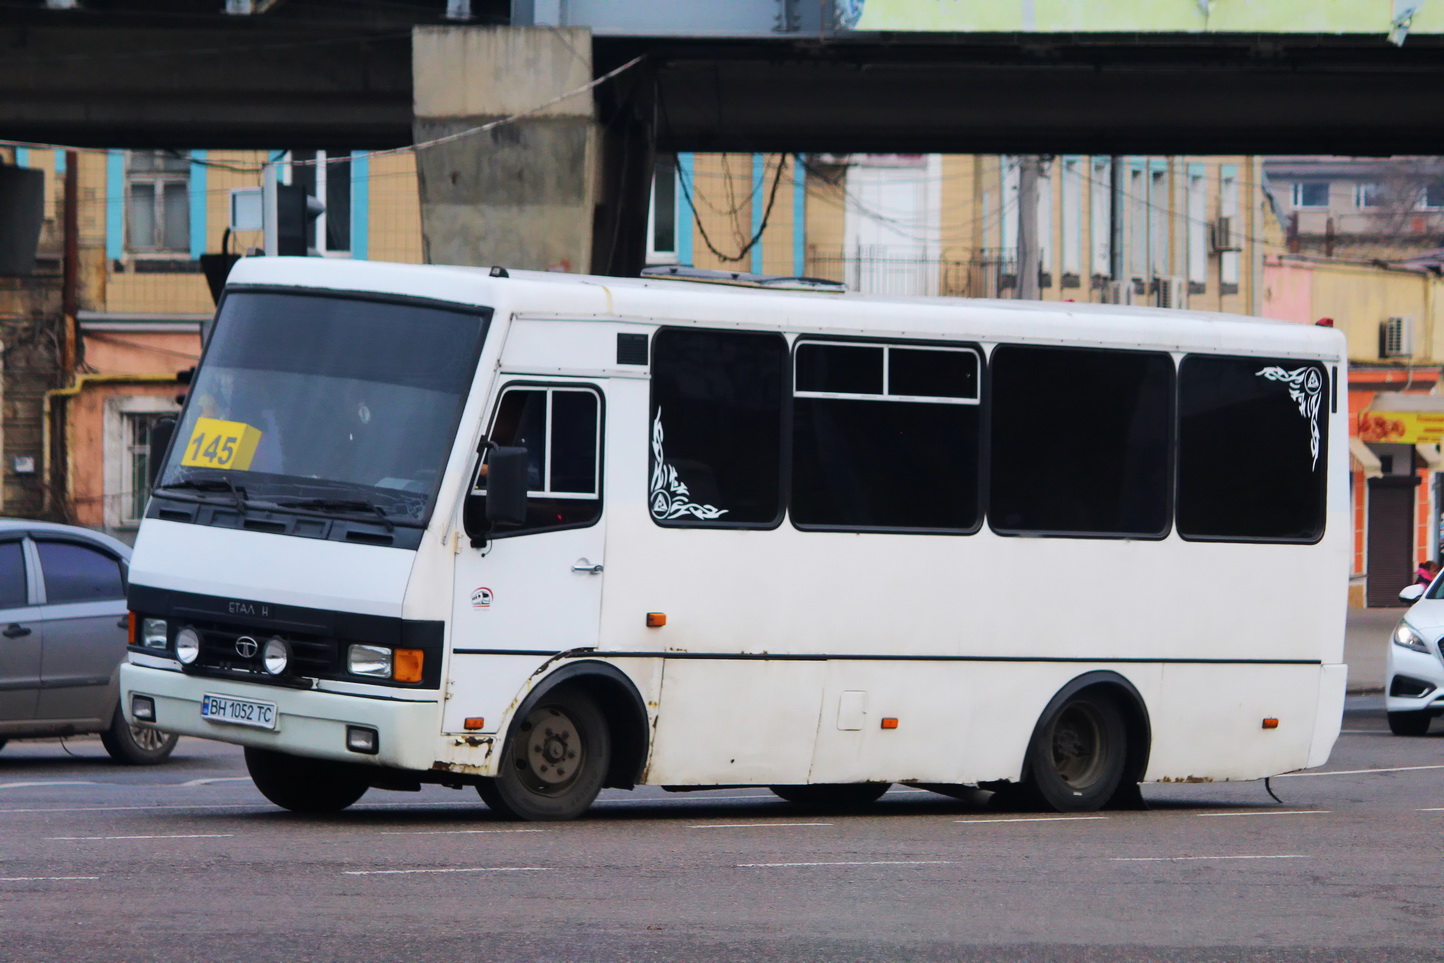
{"points": [[157, 179], [116, 476], [866, 341], [1296, 195], [38, 583], [655, 254]]}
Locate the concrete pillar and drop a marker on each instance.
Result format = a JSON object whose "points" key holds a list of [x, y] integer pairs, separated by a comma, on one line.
{"points": [[553, 190]]}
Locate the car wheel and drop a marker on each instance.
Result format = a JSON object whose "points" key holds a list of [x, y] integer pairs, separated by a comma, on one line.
{"points": [[305, 785], [1075, 762], [554, 762], [1408, 723], [838, 797], [136, 745]]}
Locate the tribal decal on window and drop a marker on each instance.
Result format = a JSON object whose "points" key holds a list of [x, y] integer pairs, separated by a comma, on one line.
{"points": [[670, 497], [1306, 388]]}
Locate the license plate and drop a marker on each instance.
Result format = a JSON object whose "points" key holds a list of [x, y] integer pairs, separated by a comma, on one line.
{"points": [[240, 712]]}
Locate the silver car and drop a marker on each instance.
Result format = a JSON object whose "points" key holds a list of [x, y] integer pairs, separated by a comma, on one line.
{"points": [[63, 633]]}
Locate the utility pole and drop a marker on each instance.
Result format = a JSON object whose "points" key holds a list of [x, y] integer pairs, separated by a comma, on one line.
{"points": [[1028, 249]]}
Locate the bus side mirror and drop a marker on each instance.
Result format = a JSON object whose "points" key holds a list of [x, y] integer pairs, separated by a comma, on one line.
{"points": [[506, 478], [1413, 593], [160, 434]]}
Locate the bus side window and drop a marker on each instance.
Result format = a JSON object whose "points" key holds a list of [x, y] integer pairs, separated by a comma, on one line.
{"points": [[560, 429]]}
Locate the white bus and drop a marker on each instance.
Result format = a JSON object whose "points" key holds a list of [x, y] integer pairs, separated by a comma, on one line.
{"points": [[541, 534]]}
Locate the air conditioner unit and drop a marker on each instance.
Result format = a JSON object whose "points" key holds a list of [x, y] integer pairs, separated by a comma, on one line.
{"points": [[1396, 338], [1118, 292], [1170, 292], [1225, 237]]}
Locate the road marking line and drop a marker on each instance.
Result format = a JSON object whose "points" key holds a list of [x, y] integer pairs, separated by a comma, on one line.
{"points": [[1275, 812], [457, 832], [46, 879], [206, 782], [190, 836], [57, 782], [1031, 819], [470, 869], [1436, 810], [757, 825], [1178, 859], [1353, 772], [879, 862]]}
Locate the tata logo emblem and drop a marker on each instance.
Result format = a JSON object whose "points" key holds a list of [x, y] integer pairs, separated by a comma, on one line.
{"points": [[247, 647], [481, 598]]}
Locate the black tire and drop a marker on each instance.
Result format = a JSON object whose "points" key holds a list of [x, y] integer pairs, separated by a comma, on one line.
{"points": [[1409, 723], [838, 797], [2, 743], [136, 745], [305, 785], [1076, 759], [554, 760]]}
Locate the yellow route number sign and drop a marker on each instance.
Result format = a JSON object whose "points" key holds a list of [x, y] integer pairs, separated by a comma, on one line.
{"points": [[221, 444]]}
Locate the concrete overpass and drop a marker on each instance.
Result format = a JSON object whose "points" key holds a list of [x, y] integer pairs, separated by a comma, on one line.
{"points": [[749, 75]]}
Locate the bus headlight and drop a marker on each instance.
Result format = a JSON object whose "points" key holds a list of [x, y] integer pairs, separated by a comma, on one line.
{"points": [[153, 633], [275, 655], [1404, 635], [187, 645], [369, 660]]}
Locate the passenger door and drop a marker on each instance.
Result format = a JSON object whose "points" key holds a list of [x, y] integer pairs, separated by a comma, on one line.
{"points": [[19, 635], [83, 618], [536, 588]]}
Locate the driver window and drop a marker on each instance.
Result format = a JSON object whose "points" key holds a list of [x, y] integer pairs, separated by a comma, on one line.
{"points": [[560, 428]]}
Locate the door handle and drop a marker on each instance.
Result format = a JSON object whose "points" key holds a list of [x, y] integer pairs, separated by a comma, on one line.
{"points": [[582, 565], [15, 630]]}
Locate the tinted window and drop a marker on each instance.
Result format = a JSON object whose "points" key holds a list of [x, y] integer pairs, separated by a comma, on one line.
{"points": [[1080, 441], [889, 462], [77, 573], [12, 575], [1251, 448], [716, 428], [559, 428]]}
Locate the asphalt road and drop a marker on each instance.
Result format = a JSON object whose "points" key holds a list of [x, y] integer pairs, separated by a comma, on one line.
{"points": [[187, 862]]}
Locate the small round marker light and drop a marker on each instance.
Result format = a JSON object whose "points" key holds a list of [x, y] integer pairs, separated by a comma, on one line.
{"points": [[187, 645], [275, 655]]}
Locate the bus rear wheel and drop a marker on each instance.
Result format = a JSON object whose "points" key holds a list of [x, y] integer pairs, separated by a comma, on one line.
{"points": [[1076, 759], [839, 797], [304, 785], [555, 759]]}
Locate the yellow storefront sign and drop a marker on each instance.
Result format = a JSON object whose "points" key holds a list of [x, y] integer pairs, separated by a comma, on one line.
{"points": [[221, 444], [1402, 427]]}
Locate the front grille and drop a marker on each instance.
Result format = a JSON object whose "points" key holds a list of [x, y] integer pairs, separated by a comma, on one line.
{"points": [[310, 655]]}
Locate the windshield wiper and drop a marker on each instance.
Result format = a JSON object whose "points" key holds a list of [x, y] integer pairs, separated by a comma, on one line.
{"points": [[222, 484], [340, 505]]}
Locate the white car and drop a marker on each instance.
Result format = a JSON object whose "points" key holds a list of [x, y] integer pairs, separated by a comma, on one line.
{"points": [[1415, 663]]}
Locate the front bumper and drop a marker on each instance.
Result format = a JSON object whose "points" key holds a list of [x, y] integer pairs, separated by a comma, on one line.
{"points": [[1405, 666], [308, 722]]}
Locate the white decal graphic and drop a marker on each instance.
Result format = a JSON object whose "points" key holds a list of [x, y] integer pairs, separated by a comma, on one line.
{"points": [[481, 598], [849, 13], [1306, 388], [670, 497]]}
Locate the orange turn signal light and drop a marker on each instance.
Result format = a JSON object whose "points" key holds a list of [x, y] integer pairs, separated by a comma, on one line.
{"points": [[475, 722], [131, 628], [655, 620], [1270, 723], [406, 665], [889, 723]]}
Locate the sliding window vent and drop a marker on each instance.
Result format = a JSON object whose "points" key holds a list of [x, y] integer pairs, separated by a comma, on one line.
{"points": [[1396, 338]]}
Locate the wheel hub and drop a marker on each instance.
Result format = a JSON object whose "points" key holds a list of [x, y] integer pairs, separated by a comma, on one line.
{"points": [[551, 752]]}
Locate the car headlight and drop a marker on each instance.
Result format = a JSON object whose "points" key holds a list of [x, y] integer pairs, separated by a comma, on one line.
{"points": [[275, 655], [187, 645], [153, 633], [1405, 635], [369, 660]]}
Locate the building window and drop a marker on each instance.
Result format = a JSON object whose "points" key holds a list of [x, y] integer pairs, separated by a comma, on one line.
{"points": [[1197, 230], [1137, 223], [157, 203], [886, 437], [1072, 212], [662, 213], [1311, 194], [1367, 195], [326, 177], [128, 422], [1080, 442], [1100, 217], [1228, 207], [1252, 440], [715, 428], [1433, 196], [1158, 213]]}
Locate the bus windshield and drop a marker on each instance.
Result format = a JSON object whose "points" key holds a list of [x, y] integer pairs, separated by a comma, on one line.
{"points": [[324, 402]]}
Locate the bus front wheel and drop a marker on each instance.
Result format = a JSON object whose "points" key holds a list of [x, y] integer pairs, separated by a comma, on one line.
{"points": [[1076, 759], [304, 785], [555, 759]]}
